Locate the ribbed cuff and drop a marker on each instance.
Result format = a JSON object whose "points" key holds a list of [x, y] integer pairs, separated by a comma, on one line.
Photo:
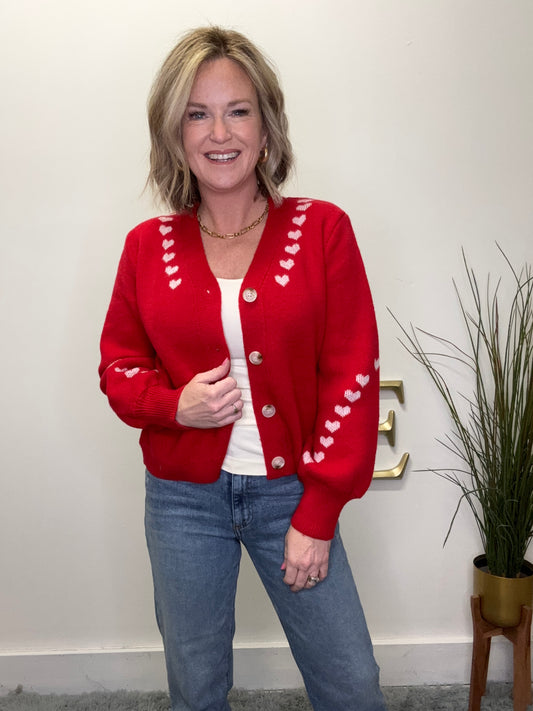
{"points": [[318, 512], [159, 405]]}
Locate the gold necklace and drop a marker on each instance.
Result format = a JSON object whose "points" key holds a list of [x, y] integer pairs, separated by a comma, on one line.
{"points": [[232, 235]]}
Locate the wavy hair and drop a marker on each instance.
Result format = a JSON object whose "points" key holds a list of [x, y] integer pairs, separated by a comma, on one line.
{"points": [[170, 175]]}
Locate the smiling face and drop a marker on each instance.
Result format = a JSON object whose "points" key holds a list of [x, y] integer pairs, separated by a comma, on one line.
{"points": [[222, 129]]}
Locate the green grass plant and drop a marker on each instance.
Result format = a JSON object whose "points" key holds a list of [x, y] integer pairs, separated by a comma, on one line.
{"points": [[492, 426]]}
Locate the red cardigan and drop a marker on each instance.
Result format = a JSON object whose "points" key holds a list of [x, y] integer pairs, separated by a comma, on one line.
{"points": [[305, 306]]}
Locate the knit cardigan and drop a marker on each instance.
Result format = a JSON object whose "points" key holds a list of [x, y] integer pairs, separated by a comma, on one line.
{"points": [[309, 333]]}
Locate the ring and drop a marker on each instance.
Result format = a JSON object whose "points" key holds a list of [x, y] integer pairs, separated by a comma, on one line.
{"points": [[312, 580]]}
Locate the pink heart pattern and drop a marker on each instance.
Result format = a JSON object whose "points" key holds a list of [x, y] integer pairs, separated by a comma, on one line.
{"points": [[362, 379], [287, 263], [341, 410], [294, 235], [130, 372], [332, 426], [292, 248], [168, 257]]}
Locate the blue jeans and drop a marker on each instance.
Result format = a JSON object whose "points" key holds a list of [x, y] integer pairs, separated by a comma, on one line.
{"points": [[194, 534]]}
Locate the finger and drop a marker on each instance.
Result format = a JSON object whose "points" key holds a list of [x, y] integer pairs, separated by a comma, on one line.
{"points": [[215, 374], [236, 409], [226, 390], [290, 574], [301, 581], [312, 580]]}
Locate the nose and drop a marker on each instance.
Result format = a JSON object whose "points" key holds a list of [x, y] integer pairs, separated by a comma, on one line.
{"points": [[220, 130]]}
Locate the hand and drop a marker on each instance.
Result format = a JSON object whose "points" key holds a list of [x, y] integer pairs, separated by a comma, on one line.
{"points": [[210, 399], [304, 557]]}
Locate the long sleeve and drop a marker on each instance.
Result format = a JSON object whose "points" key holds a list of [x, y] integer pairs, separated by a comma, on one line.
{"points": [[131, 374], [338, 458]]}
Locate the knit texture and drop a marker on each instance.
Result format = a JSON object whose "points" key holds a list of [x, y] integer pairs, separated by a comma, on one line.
{"points": [[305, 305]]}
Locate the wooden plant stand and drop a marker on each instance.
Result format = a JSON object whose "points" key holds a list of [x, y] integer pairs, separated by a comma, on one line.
{"points": [[520, 636]]}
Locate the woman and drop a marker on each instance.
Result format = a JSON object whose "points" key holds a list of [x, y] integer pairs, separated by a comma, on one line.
{"points": [[241, 339]]}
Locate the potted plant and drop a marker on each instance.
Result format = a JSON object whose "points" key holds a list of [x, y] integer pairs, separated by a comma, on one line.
{"points": [[491, 434]]}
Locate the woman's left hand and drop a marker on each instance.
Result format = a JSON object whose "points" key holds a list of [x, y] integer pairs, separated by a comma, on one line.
{"points": [[306, 560]]}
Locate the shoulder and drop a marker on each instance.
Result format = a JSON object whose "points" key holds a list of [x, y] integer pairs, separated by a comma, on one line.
{"points": [[318, 218], [161, 230], [319, 212], [302, 204], [164, 225]]}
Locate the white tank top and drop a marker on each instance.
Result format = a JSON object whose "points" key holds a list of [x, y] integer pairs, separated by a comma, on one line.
{"points": [[245, 453]]}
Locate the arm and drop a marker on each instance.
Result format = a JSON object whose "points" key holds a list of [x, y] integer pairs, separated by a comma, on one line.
{"points": [[338, 459], [138, 387]]}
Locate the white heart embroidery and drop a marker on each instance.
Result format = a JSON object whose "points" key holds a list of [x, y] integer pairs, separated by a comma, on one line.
{"points": [[167, 243], [342, 411], [168, 256], [171, 270], [303, 207], [294, 234], [131, 373], [166, 219], [376, 364], [318, 456], [292, 248], [282, 279], [174, 283], [165, 229], [332, 426], [307, 458], [362, 379], [326, 441], [299, 220], [351, 395], [287, 263], [120, 370]]}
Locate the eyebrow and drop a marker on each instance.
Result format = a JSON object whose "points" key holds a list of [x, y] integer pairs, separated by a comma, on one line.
{"points": [[231, 103]]}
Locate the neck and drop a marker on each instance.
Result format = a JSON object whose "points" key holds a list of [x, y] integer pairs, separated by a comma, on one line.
{"points": [[230, 214]]}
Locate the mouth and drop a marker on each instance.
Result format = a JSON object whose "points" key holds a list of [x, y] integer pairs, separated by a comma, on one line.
{"points": [[222, 157]]}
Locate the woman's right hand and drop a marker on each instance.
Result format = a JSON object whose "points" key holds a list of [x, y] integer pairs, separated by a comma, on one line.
{"points": [[210, 399]]}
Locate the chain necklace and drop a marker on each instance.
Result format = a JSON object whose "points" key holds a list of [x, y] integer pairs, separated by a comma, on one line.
{"points": [[232, 235]]}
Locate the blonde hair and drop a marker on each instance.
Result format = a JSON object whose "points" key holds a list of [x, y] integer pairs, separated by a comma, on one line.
{"points": [[169, 174]]}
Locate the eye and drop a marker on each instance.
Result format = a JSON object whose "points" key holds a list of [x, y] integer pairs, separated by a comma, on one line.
{"points": [[240, 112], [195, 115]]}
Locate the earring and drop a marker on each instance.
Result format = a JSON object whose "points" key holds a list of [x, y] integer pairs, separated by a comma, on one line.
{"points": [[263, 155]]}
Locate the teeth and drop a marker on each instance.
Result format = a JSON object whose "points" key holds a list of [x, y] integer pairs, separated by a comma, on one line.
{"points": [[222, 156]]}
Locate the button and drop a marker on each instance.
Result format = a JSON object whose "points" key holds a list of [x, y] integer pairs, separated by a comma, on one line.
{"points": [[249, 295], [278, 463], [255, 358], [268, 410]]}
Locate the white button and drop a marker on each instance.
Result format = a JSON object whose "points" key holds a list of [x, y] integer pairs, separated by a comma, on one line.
{"points": [[268, 410], [255, 358], [278, 463], [249, 295]]}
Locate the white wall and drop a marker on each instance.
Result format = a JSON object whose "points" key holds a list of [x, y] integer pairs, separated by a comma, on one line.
{"points": [[415, 116]]}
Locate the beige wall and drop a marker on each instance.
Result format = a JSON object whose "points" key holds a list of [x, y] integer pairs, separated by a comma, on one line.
{"points": [[415, 116]]}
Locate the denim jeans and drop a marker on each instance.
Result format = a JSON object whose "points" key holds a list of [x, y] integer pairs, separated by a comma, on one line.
{"points": [[194, 534]]}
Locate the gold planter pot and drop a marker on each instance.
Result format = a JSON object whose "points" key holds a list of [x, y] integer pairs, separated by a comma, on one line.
{"points": [[502, 598]]}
